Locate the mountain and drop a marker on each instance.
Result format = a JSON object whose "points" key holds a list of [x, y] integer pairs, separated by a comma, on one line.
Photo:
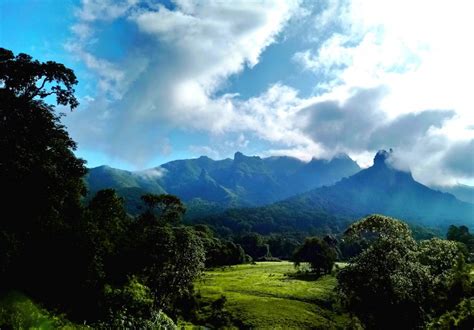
{"points": [[377, 189], [462, 192], [210, 186]]}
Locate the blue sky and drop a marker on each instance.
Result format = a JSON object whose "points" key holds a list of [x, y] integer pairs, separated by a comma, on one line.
{"points": [[176, 79]]}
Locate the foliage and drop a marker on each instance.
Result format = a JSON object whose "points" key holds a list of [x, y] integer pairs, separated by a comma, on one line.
{"points": [[461, 317], [166, 258], [19, 312], [317, 253], [86, 260], [219, 252], [168, 208], [42, 176], [132, 306], [282, 246], [461, 234], [396, 281], [135, 297], [123, 319], [254, 245]]}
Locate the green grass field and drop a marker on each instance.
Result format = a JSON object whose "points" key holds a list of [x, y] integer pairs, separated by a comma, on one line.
{"points": [[267, 295]]}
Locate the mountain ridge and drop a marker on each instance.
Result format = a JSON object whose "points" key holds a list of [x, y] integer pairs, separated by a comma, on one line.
{"points": [[378, 189], [208, 185]]}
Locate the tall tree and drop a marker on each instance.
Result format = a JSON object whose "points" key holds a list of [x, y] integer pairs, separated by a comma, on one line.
{"points": [[396, 282], [39, 172]]}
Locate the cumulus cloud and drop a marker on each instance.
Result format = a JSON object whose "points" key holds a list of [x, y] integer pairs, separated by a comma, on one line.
{"points": [[408, 129], [381, 69], [171, 79], [422, 64], [346, 124]]}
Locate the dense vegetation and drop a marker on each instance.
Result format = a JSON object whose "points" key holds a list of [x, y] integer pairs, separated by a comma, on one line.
{"points": [[397, 282], [90, 261]]}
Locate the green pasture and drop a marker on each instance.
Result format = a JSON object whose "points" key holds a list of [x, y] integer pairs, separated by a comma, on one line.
{"points": [[271, 295]]}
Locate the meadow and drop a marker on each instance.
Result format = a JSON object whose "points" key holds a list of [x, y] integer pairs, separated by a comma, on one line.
{"points": [[272, 295]]}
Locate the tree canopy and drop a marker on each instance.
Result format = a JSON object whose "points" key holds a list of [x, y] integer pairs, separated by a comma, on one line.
{"points": [[396, 282], [318, 253], [39, 172]]}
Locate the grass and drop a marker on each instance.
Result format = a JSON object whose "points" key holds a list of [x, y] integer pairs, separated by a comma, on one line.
{"points": [[266, 295], [19, 312]]}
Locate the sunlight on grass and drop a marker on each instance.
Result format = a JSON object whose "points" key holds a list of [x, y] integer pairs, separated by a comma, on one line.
{"points": [[264, 295]]}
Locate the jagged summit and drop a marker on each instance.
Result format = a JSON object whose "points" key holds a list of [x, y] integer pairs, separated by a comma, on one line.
{"points": [[381, 156], [242, 181], [240, 157]]}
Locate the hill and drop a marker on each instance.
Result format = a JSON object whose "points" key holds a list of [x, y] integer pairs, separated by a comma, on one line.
{"points": [[377, 189], [209, 186]]}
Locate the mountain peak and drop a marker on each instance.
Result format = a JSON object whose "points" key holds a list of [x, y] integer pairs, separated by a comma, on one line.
{"points": [[240, 157], [381, 156], [342, 155]]}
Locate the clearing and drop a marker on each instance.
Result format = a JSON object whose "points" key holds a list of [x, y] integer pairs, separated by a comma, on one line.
{"points": [[269, 295]]}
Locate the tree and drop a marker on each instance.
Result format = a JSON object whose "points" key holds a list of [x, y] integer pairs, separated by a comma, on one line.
{"points": [[254, 245], [103, 234], [385, 285], [395, 282], [461, 234], [166, 258], [40, 174], [167, 208], [449, 274], [317, 253], [219, 252]]}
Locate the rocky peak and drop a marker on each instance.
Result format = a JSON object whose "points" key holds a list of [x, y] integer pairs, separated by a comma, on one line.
{"points": [[381, 156]]}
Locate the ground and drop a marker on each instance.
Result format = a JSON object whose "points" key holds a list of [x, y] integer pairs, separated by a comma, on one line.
{"points": [[269, 295]]}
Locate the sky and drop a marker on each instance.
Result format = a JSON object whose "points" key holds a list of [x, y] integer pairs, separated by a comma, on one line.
{"points": [[165, 80]]}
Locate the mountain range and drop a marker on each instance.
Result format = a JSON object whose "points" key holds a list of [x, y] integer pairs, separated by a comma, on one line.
{"points": [[377, 189], [274, 194], [210, 186]]}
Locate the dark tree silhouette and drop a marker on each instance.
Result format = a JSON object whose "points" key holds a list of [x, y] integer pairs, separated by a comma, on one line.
{"points": [[166, 208], [317, 253], [40, 175]]}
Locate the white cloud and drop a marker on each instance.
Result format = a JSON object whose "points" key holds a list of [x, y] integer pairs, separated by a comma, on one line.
{"points": [[171, 81], [152, 173], [417, 52]]}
